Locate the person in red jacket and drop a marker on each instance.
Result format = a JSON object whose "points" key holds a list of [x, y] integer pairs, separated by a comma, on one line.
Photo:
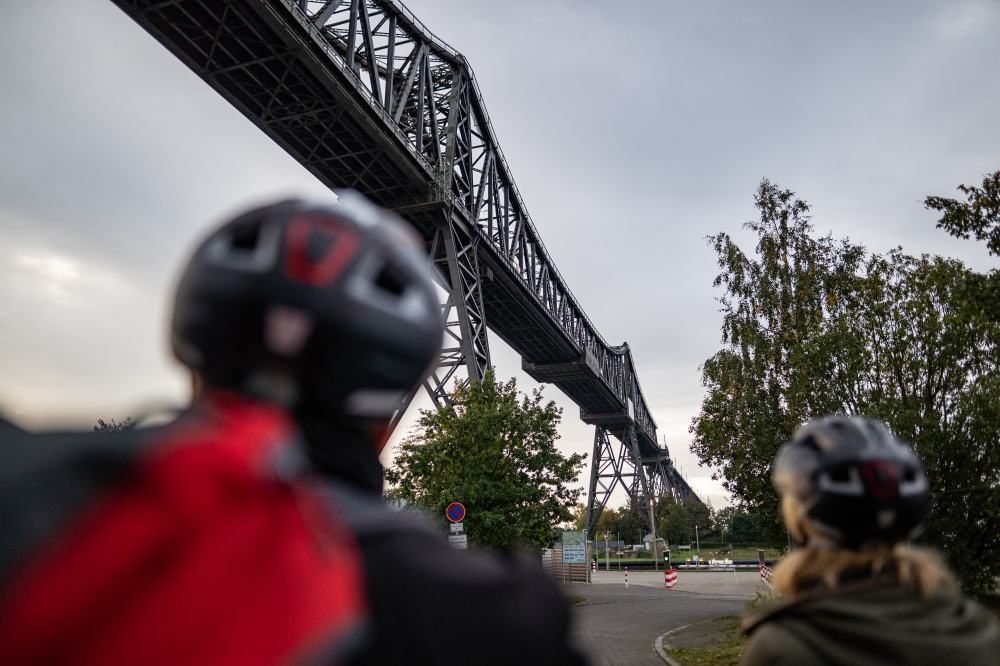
{"points": [[193, 543], [252, 529]]}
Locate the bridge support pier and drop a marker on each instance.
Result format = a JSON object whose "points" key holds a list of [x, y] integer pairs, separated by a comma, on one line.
{"points": [[645, 479], [619, 462], [455, 255], [454, 252]]}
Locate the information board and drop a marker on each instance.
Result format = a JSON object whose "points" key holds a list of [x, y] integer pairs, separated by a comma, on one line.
{"points": [[574, 547]]}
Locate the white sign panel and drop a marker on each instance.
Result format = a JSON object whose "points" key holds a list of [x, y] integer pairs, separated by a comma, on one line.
{"points": [[574, 547], [460, 541], [456, 527]]}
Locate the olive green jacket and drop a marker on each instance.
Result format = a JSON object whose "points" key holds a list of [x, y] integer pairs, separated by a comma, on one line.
{"points": [[872, 623]]}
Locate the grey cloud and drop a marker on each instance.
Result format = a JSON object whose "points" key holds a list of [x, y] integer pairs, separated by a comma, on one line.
{"points": [[633, 132]]}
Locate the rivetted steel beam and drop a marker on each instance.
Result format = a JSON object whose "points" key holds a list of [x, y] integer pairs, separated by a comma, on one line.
{"points": [[362, 93]]}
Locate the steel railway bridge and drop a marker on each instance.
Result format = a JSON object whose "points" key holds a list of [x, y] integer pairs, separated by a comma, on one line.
{"points": [[364, 96]]}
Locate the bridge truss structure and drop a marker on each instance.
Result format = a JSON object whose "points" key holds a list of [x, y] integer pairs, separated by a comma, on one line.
{"points": [[364, 96]]}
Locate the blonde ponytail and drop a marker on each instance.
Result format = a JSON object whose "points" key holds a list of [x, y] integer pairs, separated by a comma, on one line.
{"points": [[822, 563]]}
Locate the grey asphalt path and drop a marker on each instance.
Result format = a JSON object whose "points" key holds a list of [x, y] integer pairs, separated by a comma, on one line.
{"points": [[620, 626]]}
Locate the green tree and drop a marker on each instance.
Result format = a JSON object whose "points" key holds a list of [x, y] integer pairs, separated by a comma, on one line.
{"points": [[773, 370], [494, 450], [736, 525], [703, 517], [978, 216], [621, 522], [608, 522], [970, 445], [813, 326], [675, 524], [579, 516], [742, 529], [935, 378], [722, 520]]}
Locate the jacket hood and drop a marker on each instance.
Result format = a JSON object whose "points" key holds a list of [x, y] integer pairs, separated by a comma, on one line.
{"points": [[881, 623]]}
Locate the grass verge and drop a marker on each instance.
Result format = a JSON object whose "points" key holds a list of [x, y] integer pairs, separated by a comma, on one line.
{"points": [[726, 651], [725, 647]]}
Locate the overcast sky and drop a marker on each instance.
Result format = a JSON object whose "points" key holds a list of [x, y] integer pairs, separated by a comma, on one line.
{"points": [[633, 131]]}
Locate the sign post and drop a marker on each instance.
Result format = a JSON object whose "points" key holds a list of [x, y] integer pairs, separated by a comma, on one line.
{"points": [[456, 514]]}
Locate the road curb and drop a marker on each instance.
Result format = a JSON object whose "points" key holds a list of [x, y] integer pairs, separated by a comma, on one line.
{"points": [[661, 648]]}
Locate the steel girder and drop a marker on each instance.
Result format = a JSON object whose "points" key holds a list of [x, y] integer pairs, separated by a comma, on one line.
{"points": [[607, 470], [365, 96], [682, 491], [454, 254], [453, 250], [659, 479], [429, 95], [646, 479], [618, 462]]}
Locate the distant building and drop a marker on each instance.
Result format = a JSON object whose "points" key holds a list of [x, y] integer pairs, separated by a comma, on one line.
{"points": [[610, 545]]}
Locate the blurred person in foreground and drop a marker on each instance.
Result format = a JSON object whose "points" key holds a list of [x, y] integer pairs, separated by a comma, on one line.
{"points": [[251, 530], [855, 592]]}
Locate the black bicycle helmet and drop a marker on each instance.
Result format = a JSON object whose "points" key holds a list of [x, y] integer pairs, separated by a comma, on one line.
{"points": [[331, 306], [860, 483]]}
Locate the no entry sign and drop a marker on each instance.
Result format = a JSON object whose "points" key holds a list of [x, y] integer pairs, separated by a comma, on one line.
{"points": [[455, 512]]}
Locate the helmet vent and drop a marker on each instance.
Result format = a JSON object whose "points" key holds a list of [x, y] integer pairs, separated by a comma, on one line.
{"points": [[840, 475], [245, 237], [844, 480], [387, 280], [811, 443]]}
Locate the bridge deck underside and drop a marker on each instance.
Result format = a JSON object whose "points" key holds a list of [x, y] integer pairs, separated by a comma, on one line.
{"points": [[289, 92], [577, 380], [270, 70], [311, 115], [512, 312]]}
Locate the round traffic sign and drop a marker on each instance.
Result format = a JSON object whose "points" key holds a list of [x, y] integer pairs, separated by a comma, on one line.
{"points": [[455, 512]]}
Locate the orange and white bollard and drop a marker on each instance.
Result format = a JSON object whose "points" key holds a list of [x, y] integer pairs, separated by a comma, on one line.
{"points": [[669, 578]]}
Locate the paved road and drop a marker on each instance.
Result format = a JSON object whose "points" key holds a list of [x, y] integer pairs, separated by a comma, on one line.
{"points": [[619, 626]]}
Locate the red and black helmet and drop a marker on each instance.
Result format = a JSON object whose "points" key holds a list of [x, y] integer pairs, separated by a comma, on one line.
{"points": [[860, 483], [332, 306]]}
